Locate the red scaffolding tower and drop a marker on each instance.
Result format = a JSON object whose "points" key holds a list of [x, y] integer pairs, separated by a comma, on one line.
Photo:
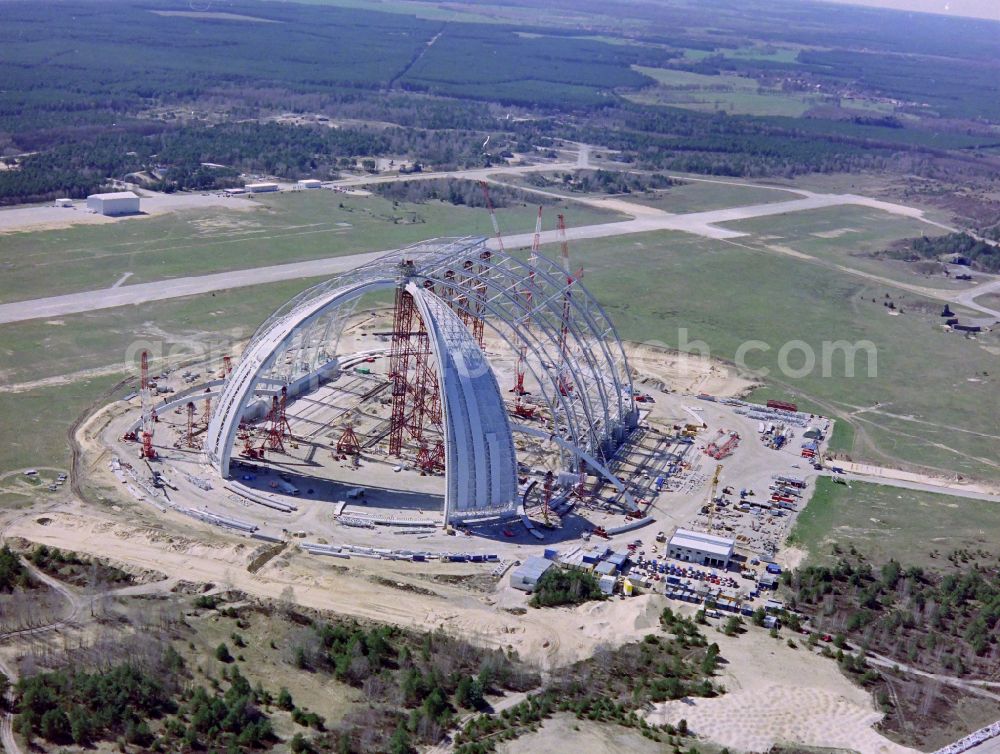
{"points": [[273, 435], [206, 414], [348, 444], [416, 396]]}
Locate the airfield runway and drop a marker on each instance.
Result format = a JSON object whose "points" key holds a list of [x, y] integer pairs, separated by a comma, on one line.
{"points": [[644, 220]]}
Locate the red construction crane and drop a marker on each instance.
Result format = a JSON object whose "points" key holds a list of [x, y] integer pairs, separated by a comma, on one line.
{"points": [[493, 215], [148, 414], [283, 426], [536, 240], [565, 384], [227, 366], [522, 354], [190, 424]]}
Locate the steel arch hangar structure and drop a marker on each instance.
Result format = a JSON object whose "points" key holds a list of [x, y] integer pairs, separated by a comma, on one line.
{"points": [[447, 292]]}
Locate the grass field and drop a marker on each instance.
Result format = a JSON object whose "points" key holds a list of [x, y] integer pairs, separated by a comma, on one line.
{"points": [[690, 196], [286, 227], [848, 235], [90, 351], [755, 52], [915, 528], [699, 196], [725, 93], [920, 406], [34, 424]]}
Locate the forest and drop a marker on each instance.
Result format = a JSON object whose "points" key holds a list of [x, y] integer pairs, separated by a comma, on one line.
{"points": [[979, 255], [563, 586], [602, 181], [13, 574], [177, 157], [455, 191], [165, 93], [939, 623]]}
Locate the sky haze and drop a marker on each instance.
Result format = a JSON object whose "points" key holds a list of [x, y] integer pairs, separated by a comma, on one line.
{"points": [[989, 9]]}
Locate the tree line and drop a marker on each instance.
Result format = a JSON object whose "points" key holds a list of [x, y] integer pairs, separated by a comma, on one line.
{"points": [[937, 622]]}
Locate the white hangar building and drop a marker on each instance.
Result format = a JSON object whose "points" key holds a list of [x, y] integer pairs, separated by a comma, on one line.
{"points": [[114, 203], [698, 547]]}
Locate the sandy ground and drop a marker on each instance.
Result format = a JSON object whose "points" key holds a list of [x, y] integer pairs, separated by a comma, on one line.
{"points": [[563, 732], [808, 700], [920, 481], [549, 638], [775, 694], [687, 373]]}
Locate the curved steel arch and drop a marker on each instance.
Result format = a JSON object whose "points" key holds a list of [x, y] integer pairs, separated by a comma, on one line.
{"points": [[523, 302]]}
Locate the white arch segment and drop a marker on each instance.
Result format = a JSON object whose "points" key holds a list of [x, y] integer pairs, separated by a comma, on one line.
{"points": [[481, 463], [258, 358]]}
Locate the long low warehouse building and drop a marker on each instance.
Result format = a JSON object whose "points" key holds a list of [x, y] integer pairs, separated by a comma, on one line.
{"points": [[699, 547]]}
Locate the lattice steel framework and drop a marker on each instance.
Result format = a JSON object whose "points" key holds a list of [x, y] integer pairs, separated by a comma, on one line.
{"points": [[525, 303]]}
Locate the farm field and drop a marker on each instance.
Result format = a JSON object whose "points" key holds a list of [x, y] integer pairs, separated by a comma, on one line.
{"points": [[934, 406], [725, 93], [915, 528], [284, 228]]}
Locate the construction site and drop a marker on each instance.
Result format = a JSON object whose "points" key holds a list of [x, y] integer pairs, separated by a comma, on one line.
{"points": [[453, 402]]}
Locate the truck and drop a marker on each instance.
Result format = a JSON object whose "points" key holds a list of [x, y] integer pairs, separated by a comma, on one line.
{"points": [[287, 487]]}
